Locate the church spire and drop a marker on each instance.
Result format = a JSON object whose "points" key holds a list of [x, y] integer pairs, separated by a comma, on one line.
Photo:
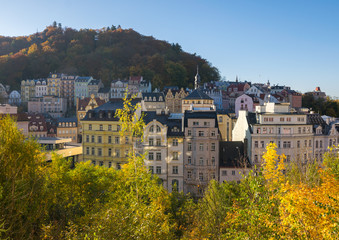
{"points": [[197, 79]]}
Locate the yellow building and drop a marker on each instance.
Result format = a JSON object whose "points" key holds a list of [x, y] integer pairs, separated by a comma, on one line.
{"points": [[54, 84], [102, 142], [226, 122], [67, 128]]}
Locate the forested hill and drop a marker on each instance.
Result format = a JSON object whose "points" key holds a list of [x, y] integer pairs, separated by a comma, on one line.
{"points": [[107, 54]]}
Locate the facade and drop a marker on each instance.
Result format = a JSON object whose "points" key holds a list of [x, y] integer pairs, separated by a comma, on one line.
{"points": [[82, 107], [80, 87], [197, 99], [226, 122], [101, 140], [53, 105], [201, 150], [300, 136], [27, 90], [8, 109], [94, 86], [243, 102], [174, 100], [37, 126], [67, 128], [163, 143], [104, 93], [41, 88], [67, 89], [153, 101], [54, 84], [14, 98], [216, 95], [118, 88]]}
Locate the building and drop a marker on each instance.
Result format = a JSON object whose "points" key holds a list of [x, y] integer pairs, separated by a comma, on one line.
{"points": [[174, 99], [67, 89], [118, 88], [104, 93], [67, 128], [163, 143], [300, 136], [37, 126], [94, 86], [197, 99], [82, 107], [226, 122], [14, 98], [27, 90], [233, 162], [8, 109], [102, 142], [201, 150], [153, 101], [40, 87], [53, 105], [54, 84], [81, 87], [243, 102]]}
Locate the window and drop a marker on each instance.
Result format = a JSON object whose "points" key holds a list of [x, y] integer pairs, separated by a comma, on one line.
{"points": [[189, 133], [195, 123], [87, 138], [87, 150], [189, 174], [213, 161], [279, 144], [299, 130], [212, 146], [89, 126], [101, 163], [118, 128], [201, 133], [175, 170], [117, 152], [224, 173], [158, 129], [258, 130], [282, 119], [189, 146], [151, 169], [150, 141], [101, 127], [201, 161], [256, 144], [189, 160], [206, 123], [220, 119], [175, 156], [213, 133], [110, 152], [256, 158], [175, 185], [94, 162], [321, 144], [126, 140], [298, 144], [109, 139], [118, 166], [93, 139], [109, 127], [201, 176], [151, 129], [158, 170], [286, 144], [262, 143], [288, 158], [150, 156], [93, 151], [99, 139], [316, 144], [117, 140], [264, 130], [158, 156], [310, 143], [233, 172], [126, 153], [109, 164], [305, 143], [175, 142], [99, 151], [158, 142], [201, 147]]}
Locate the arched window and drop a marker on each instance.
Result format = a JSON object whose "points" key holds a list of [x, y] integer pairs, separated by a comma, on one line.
{"points": [[158, 129]]}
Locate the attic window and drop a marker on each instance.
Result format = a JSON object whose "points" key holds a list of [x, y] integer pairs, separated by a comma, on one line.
{"points": [[175, 129]]}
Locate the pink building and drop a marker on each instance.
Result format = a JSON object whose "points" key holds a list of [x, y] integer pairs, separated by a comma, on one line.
{"points": [[243, 102]]}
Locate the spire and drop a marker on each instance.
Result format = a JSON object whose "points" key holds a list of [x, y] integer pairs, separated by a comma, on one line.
{"points": [[197, 79], [236, 79]]}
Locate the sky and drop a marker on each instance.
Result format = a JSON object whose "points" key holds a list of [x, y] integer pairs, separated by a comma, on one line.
{"points": [[288, 42]]}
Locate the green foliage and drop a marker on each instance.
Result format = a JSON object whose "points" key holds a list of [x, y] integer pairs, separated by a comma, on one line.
{"points": [[108, 54], [324, 107]]}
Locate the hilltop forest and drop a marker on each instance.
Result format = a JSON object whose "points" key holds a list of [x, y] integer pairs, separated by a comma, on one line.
{"points": [[107, 54]]}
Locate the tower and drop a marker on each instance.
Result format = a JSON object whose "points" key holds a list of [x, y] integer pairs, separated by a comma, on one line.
{"points": [[197, 79]]}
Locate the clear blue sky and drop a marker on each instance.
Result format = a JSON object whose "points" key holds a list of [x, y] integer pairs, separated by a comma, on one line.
{"points": [[289, 42]]}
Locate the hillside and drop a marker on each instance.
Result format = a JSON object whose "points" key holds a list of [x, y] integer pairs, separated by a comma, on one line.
{"points": [[105, 54]]}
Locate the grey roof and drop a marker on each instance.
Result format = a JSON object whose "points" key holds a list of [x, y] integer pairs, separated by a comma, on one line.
{"points": [[200, 115], [157, 96], [174, 125], [71, 119], [104, 90], [198, 94], [94, 82]]}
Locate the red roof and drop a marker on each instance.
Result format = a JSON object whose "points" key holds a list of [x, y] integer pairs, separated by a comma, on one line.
{"points": [[83, 103]]}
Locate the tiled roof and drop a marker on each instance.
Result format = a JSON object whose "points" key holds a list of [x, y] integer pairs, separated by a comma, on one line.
{"points": [[146, 97], [200, 115], [198, 94], [83, 103]]}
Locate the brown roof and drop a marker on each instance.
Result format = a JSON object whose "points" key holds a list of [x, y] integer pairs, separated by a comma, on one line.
{"points": [[83, 103]]}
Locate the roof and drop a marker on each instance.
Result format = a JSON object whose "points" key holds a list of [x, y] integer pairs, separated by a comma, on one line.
{"points": [[104, 90], [106, 112], [198, 94], [174, 125], [94, 82], [148, 97], [62, 119], [200, 115], [240, 86], [83, 79], [83, 103], [232, 155]]}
